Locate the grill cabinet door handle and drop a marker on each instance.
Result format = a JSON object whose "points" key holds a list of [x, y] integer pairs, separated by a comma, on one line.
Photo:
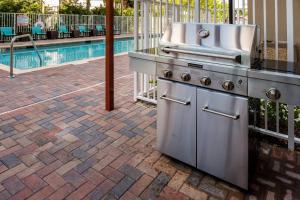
{"points": [[236, 58], [175, 100], [234, 117]]}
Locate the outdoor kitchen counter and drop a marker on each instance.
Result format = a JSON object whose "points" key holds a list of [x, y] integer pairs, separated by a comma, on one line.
{"points": [[277, 71], [269, 70], [147, 54], [143, 61]]}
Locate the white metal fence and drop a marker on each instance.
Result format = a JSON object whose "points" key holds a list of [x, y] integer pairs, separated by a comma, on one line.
{"points": [[152, 16], [53, 21]]}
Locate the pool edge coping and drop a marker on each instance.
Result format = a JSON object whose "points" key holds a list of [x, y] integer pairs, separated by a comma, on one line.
{"points": [[63, 41], [77, 62]]}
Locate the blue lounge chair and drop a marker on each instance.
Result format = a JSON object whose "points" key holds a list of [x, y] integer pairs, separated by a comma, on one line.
{"points": [[83, 31], [37, 32], [63, 31], [100, 29], [6, 32]]}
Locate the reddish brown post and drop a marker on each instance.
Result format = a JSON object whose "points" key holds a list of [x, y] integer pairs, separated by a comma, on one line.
{"points": [[109, 57]]}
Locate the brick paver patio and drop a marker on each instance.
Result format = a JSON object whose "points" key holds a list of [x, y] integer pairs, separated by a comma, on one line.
{"points": [[69, 147]]}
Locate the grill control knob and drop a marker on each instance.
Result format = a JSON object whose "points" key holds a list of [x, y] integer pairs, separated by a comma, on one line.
{"points": [[228, 85], [205, 81], [185, 77], [273, 94], [168, 73]]}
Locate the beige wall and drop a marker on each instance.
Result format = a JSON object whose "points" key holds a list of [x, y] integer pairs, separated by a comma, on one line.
{"points": [[271, 20]]}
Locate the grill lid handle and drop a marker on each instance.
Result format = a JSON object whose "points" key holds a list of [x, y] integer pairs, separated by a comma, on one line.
{"points": [[236, 58]]}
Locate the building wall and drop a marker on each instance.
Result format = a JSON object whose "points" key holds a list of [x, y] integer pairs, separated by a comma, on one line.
{"points": [[282, 20]]}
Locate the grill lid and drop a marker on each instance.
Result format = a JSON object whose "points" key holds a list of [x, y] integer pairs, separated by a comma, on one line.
{"points": [[220, 43]]}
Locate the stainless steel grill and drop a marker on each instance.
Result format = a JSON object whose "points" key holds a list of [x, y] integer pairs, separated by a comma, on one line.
{"points": [[202, 90], [206, 74]]}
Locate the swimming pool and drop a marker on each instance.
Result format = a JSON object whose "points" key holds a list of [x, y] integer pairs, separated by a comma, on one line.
{"points": [[27, 58]]}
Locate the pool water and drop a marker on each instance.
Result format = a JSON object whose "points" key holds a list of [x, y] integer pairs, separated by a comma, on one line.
{"points": [[27, 58]]}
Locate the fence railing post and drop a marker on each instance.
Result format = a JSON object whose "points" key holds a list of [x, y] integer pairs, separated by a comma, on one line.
{"points": [[15, 22], [127, 25]]}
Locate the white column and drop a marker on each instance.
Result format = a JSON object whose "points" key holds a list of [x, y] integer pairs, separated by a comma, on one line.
{"points": [[160, 18], [276, 29], [197, 10], [146, 24], [167, 12], [206, 11], [136, 25], [215, 11], [224, 11], [243, 7], [238, 11], [265, 27], [181, 19], [136, 47], [290, 29], [173, 12], [189, 11], [253, 12]]}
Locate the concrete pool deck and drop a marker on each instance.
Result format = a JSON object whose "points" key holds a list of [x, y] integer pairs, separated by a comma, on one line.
{"points": [[58, 142], [62, 41]]}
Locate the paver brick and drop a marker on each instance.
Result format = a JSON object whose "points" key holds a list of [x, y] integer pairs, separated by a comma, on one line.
{"points": [[63, 156], [112, 174], [193, 193], [4, 195], [42, 194], [55, 180], [157, 185], [30, 170], [168, 193], [104, 162], [141, 184], [130, 171], [80, 154], [49, 168], [8, 142], [101, 190], [13, 185], [10, 172], [147, 169], [46, 157], [10, 160], [74, 178], [177, 180], [122, 187], [29, 159], [67, 167], [34, 182], [129, 196], [2, 168], [194, 179], [82, 191], [121, 160], [23, 194], [62, 192], [24, 141], [85, 165], [93, 176]]}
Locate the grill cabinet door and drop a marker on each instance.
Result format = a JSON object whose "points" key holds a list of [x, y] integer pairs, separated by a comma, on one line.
{"points": [[222, 139], [176, 121]]}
